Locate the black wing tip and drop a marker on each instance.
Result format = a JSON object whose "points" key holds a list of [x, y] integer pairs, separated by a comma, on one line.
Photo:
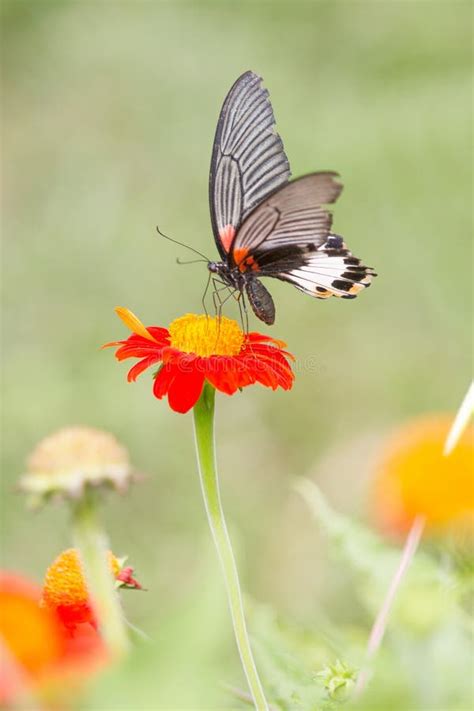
{"points": [[250, 73], [248, 77]]}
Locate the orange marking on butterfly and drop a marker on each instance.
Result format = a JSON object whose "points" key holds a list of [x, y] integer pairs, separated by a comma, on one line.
{"points": [[227, 234], [245, 261]]}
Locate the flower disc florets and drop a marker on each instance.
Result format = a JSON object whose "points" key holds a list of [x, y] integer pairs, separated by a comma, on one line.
{"points": [[205, 336], [65, 591]]}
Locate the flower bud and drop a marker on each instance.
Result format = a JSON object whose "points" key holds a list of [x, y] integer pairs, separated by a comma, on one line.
{"points": [[68, 460]]}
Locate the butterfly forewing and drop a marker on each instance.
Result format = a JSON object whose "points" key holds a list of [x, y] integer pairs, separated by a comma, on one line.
{"points": [[248, 160]]}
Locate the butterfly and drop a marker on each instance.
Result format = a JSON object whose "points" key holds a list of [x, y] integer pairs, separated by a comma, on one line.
{"points": [[264, 224]]}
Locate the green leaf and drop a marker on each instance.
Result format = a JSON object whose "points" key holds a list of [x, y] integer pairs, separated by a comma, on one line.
{"points": [[427, 594]]}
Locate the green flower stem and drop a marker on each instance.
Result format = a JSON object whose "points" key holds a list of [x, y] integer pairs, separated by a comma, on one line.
{"points": [[92, 543], [204, 432]]}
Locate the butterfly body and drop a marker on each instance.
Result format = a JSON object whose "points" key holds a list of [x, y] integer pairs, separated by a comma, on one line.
{"points": [[245, 280], [264, 224]]}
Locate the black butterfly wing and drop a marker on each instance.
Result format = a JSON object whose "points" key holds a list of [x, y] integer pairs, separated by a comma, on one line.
{"points": [[248, 160], [289, 237]]}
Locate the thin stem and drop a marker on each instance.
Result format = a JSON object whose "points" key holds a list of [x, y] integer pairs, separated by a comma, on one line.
{"points": [[92, 544], [464, 414], [204, 433], [380, 624]]}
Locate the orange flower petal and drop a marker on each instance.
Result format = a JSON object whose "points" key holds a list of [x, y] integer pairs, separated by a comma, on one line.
{"points": [[31, 634], [254, 337], [133, 323]]}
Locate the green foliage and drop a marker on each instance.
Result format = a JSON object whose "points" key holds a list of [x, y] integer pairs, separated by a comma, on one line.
{"points": [[425, 657], [427, 593], [288, 659]]}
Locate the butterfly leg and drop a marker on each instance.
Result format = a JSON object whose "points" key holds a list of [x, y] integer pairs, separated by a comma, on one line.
{"points": [[223, 301], [244, 316], [216, 295], [203, 300], [219, 301], [238, 295]]}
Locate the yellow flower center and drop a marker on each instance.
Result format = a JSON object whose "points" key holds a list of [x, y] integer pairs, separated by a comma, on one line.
{"points": [[64, 583], [206, 335]]}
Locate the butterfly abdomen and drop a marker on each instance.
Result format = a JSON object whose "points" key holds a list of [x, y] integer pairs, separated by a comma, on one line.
{"points": [[260, 300]]}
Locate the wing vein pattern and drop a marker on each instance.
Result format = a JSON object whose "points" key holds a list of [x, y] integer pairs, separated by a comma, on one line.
{"points": [[248, 159]]}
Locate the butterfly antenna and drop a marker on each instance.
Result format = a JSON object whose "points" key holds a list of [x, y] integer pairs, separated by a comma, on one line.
{"points": [[181, 244], [190, 261]]}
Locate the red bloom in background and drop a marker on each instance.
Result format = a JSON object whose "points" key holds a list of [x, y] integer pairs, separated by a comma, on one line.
{"points": [[48, 636], [196, 349], [37, 652], [32, 641]]}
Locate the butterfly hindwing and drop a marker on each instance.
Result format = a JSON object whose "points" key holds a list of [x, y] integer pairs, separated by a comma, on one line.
{"points": [[292, 216], [248, 159], [288, 237], [330, 270]]}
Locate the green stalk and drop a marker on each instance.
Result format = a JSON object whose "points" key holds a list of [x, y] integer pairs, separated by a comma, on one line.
{"points": [[204, 433], [92, 543]]}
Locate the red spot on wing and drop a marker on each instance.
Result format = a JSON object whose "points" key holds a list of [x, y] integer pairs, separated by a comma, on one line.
{"points": [[239, 255], [227, 234], [245, 261]]}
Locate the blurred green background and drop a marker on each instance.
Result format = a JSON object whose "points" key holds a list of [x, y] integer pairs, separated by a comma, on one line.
{"points": [[109, 112]]}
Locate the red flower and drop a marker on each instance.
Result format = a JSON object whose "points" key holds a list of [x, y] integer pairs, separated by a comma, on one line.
{"points": [[32, 640], [196, 349], [48, 636], [37, 652]]}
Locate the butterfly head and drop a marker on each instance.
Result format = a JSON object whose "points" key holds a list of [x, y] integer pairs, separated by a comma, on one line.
{"points": [[228, 276], [224, 272], [214, 267]]}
